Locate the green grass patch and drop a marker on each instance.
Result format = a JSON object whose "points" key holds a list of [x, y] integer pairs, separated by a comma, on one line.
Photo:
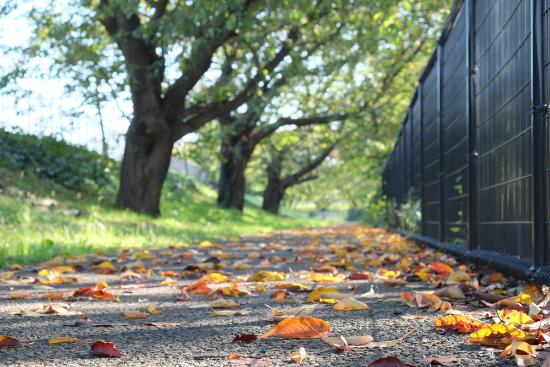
{"points": [[31, 233]]}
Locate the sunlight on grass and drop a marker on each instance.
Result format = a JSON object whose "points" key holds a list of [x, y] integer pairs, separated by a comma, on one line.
{"points": [[29, 234]]}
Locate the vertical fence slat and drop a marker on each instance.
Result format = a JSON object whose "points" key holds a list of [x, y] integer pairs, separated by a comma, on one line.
{"points": [[470, 125], [439, 65], [421, 125], [538, 133]]}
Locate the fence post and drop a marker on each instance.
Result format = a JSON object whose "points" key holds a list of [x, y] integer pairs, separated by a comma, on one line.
{"points": [[421, 124], [471, 125], [538, 133], [441, 147]]}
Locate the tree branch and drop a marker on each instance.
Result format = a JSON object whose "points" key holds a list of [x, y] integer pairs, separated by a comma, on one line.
{"points": [[267, 130], [296, 177]]}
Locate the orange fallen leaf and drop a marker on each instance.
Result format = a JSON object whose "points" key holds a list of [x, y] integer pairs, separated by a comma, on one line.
{"points": [[462, 323], [440, 268], [300, 328], [104, 349], [19, 295], [54, 296]]}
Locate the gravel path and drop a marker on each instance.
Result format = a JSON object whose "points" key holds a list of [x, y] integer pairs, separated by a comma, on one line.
{"points": [[187, 334]]}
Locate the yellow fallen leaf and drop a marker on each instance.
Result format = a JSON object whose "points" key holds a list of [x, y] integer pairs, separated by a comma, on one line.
{"points": [[499, 335], [458, 277], [223, 303], [524, 353], [350, 304], [514, 317], [322, 277], [63, 339], [317, 294], [134, 315], [523, 298], [214, 278], [204, 244], [152, 310], [300, 328], [266, 276], [168, 281]]}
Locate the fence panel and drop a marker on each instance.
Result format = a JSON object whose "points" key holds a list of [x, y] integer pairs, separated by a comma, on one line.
{"points": [[430, 154], [454, 132], [416, 146], [546, 99], [503, 126]]}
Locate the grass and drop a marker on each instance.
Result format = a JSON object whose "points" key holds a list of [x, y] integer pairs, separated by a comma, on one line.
{"points": [[30, 234]]}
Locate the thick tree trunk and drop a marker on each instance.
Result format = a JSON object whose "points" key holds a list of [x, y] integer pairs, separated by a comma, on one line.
{"points": [[273, 196], [275, 190], [144, 169], [232, 184]]}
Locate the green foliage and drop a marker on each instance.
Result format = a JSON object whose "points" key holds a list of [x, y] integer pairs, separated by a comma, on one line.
{"points": [[30, 234], [409, 214], [70, 166]]}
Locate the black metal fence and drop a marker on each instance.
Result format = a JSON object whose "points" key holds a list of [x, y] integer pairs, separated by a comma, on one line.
{"points": [[474, 145]]}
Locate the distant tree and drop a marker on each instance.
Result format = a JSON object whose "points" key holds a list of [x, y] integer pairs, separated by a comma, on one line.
{"points": [[277, 183]]}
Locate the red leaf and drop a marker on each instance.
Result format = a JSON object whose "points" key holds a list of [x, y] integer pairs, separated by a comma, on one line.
{"points": [[389, 362], [7, 341], [245, 338], [360, 276], [105, 349]]}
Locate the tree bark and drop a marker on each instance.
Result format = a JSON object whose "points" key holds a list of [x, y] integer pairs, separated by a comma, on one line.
{"points": [[274, 191], [144, 168], [232, 183]]}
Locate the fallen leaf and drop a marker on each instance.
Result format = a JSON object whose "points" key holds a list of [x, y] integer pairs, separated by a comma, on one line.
{"points": [[104, 349], [389, 362], [217, 312], [524, 353], [8, 341], [214, 278], [459, 322], [134, 315], [316, 295], [346, 343], [499, 335], [300, 328], [152, 310], [266, 276], [442, 361], [323, 278], [299, 355], [223, 303], [523, 298], [63, 339], [514, 317], [450, 292], [350, 304], [14, 295], [245, 338]]}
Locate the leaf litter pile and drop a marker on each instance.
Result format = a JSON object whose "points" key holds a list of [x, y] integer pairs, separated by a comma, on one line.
{"points": [[319, 295]]}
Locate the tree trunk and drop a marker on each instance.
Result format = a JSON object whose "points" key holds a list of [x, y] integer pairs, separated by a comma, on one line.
{"points": [[232, 184], [274, 191], [144, 169]]}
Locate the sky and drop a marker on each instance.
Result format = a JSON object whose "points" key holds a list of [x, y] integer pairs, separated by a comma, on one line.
{"points": [[46, 110]]}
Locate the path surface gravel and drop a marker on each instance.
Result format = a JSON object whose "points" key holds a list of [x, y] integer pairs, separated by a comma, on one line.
{"points": [[187, 334]]}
